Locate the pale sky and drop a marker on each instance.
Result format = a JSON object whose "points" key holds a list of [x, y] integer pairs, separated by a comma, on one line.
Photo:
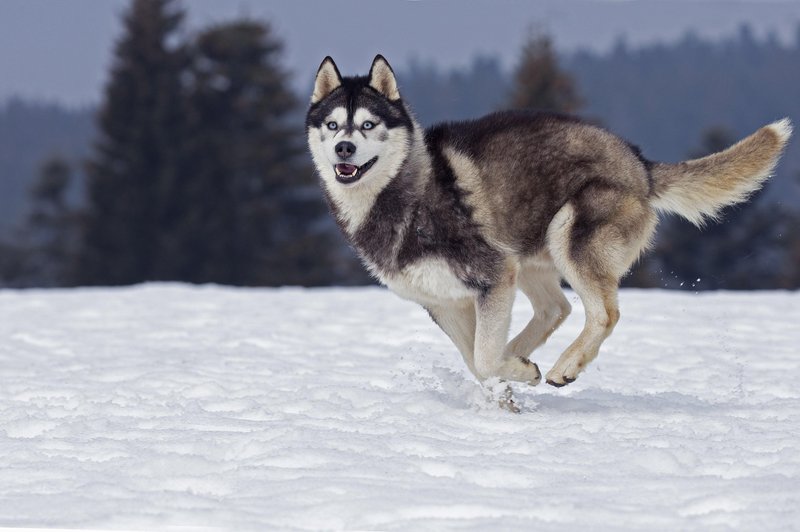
{"points": [[60, 50]]}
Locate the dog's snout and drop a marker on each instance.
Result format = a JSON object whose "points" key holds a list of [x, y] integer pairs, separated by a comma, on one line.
{"points": [[345, 149]]}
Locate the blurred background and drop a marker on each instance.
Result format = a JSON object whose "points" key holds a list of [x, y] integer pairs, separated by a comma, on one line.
{"points": [[145, 140]]}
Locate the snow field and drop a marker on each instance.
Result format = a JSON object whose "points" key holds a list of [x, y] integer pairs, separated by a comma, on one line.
{"points": [[168, 405]]}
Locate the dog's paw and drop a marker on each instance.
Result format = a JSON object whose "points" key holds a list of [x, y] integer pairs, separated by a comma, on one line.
{"points": [[564, 373], [559, 382], [506, 401], [499, 392], [521, 370]]}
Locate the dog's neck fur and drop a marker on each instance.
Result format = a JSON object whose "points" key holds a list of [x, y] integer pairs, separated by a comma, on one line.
{"points": [[375, 215]]}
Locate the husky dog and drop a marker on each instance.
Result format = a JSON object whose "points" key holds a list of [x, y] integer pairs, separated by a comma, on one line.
{"points": [[460, 215]]}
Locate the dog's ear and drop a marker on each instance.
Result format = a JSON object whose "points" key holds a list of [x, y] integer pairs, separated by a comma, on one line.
{"points": [[328, 80], [381, 78]]}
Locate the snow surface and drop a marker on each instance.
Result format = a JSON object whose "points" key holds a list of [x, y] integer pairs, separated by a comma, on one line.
{"points": [[169, 405]]}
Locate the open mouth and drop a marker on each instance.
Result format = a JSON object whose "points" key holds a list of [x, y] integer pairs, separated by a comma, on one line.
{"points": [[350, 173]]}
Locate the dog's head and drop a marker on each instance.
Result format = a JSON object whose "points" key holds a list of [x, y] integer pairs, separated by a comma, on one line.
{"points": [[358, 128]]}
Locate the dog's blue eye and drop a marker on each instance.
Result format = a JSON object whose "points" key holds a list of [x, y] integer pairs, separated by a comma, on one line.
{"points": [[367, 125], [333, 126]]}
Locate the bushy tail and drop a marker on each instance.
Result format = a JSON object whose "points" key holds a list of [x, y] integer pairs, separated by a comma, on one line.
{"points": [[699, 188]]}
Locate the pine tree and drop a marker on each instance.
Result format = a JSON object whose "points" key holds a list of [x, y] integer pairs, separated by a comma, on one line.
{"points": [[13, 264], [246, 206], [42, 250], [539, 81], [135, 159], [197, 175], [50, 231]]}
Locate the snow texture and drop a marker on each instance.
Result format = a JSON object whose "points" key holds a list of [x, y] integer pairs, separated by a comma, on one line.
{"points": [[170, 406]]}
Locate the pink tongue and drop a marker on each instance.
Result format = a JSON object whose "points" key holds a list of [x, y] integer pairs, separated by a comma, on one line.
{"points": [[345, 168]]}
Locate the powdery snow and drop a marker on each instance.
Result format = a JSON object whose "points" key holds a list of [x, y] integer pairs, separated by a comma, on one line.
{"points": [[169, 405]]}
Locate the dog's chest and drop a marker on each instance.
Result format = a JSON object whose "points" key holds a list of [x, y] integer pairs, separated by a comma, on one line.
{"points": [[427, 281]]}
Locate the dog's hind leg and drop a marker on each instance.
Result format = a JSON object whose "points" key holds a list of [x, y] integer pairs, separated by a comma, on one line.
{"points": [[593, 242], [542, 286], [457, 320], [493, 318], [599, 298]]}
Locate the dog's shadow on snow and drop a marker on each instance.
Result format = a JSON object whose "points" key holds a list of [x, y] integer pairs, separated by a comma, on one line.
{"points": [[601, 401], [457, 389]]}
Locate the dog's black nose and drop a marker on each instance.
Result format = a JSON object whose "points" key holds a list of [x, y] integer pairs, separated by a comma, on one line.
{"points": [[345, 149]]}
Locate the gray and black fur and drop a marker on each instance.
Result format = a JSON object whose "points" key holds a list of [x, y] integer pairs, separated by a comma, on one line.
{"points": [[460, 215]]}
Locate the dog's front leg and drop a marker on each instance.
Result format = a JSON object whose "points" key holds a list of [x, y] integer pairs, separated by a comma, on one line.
{"points": [[457, 320], [493, 313]]}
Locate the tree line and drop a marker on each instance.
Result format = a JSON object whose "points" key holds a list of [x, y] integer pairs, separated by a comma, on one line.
{"points": [[198, 170], [197, 173]]}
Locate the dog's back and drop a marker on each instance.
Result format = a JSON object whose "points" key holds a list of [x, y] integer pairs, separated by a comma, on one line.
{"points": [[520, 167]]}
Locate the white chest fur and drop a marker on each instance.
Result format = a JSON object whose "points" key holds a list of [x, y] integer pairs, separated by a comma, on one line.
{"points": [[427, 281]]}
